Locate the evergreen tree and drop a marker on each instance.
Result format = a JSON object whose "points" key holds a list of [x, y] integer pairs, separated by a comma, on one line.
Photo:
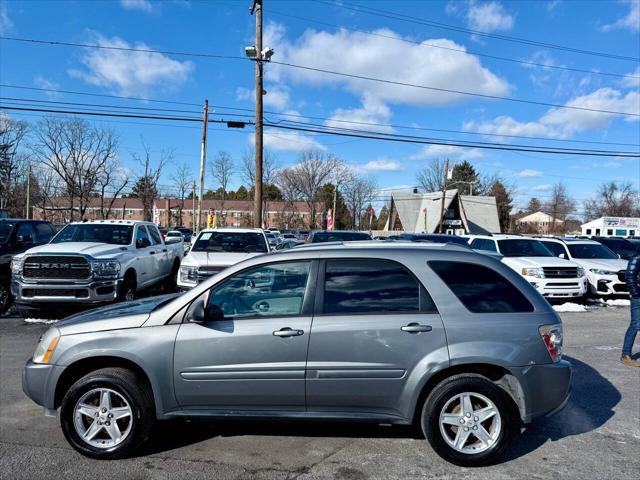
{"points": [[504, 203]]}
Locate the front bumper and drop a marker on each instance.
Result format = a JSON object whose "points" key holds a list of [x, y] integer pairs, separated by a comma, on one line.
{"points": [[606, 285], [560, 287], [545, 388], [39, 383], [41, 291]]}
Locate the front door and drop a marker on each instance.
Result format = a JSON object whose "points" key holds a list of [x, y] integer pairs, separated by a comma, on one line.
{"points": [[254, 357], [376, 327]]}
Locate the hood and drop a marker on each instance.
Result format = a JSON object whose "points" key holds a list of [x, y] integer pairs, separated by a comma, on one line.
{"points": [[537, 262], [613, 264], [95, 250], [113, 317], [223, 259]]}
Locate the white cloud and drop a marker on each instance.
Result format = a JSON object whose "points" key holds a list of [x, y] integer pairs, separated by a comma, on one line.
{"points": [[632, 82], [612, 164], [447, 151], [289, 141], [277, 97], [631, 20], [372, 111], [5, 22], [42, 82], [379, 165], [244, 93], [488, 17], [552, 5], [545, 187], [530, 173], [563, 123], [142, 5], [365, 55], [131, 73]]}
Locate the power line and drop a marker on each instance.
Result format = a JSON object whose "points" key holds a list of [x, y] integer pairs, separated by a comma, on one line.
{"points": [[445, 26], [364, 77], [350, 133], [459, 50], [447, 90]]}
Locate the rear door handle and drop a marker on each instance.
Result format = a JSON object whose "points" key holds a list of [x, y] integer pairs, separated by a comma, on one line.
{"points": [[288, 332], [152, 253], [164, 250], [416, 328]]}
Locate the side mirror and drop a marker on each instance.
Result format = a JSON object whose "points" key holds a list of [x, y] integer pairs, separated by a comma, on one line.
{"points": [[562, 255], [23, 239], [143, 243], [198, 313]]}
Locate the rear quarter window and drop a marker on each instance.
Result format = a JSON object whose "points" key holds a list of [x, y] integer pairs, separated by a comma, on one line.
{"points": [[481, 289]]}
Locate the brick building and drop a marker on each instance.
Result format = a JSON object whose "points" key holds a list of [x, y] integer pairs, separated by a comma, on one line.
{"points": [[172, 212]]}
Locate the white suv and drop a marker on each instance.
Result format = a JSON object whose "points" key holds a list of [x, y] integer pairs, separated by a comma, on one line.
{"points": [[553, 277], [218, 248], [605, 270]]}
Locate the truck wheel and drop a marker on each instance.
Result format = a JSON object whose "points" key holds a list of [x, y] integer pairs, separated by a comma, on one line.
{"points": [[171, 283], [108, 413], [468, 420], [127, 288], [5, 296]]}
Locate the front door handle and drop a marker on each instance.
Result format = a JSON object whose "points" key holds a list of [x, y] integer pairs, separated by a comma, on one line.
{"points": [[152, 253], [416, 328], [288, 332]]}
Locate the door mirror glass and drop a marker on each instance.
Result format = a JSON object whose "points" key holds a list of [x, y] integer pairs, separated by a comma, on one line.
{"points": [[24, 239]]}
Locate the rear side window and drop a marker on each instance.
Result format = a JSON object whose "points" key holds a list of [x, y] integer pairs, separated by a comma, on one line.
{"points": [[372, 286], [484, 244], [481, 289], [157, 239]]}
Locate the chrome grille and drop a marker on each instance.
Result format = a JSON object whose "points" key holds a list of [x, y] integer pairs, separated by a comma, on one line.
{"points": [[207, 271], [560, 272], [56, 267]]}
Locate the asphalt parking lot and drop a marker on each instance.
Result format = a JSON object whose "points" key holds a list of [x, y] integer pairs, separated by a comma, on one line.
{"points": [[597, 436]]}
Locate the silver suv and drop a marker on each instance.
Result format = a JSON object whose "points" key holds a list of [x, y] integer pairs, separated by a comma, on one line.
{"points": [[437, 335]]}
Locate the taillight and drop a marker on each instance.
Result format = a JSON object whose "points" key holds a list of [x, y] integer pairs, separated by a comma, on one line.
{"points": [[552, 337]]}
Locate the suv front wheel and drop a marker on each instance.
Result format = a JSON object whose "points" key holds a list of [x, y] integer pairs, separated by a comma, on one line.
{"points": [[468, 420]]}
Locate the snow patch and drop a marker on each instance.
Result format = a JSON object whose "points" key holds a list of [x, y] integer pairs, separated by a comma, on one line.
{"points": [[570, 307], [39, 320], [618, 302]]}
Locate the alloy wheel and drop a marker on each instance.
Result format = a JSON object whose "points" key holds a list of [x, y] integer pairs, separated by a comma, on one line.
{"points": [[103, 418]]}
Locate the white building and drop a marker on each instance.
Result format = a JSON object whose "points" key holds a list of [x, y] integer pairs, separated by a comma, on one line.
{"points": [[612, 227], [538, 222]]}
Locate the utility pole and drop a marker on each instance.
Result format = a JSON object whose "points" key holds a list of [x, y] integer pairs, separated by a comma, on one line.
{"points": [[28, 191], [257, 199], [203, 159], [335, 205], [193, 209], [444, 193]]}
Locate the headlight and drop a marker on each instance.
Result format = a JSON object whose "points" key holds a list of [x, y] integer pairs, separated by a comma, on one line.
{"points": [[47, 346], [533, 272], [580, 272], [16, 265], [105, 268], [598, 271], [189, 274]]}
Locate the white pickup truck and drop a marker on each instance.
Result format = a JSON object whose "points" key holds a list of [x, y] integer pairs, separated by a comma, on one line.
{"points": [[92, 263]]}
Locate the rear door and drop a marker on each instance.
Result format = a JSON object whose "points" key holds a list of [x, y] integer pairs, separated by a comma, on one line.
{"points": [[253, 358], [144, 265], [160, 256], [374, 326]]}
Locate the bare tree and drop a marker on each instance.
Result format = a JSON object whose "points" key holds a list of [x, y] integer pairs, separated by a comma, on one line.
{"points": [[304, 179], [358, 193], [430, 177], [183, 181], [77, 152], [248, 168], [222, 168], [559, 206], [13, 163], [613, 199], [146, 185], [112, 180]]}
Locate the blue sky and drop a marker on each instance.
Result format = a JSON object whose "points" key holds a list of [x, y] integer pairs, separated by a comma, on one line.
{"points": [[402, 51]]}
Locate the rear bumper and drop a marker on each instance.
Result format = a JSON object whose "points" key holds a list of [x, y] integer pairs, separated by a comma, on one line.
{"points": [[545, 388], [39, 382]]}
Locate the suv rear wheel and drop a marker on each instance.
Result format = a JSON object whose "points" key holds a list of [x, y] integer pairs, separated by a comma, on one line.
{"points": [[468, 420], [107, 414]]}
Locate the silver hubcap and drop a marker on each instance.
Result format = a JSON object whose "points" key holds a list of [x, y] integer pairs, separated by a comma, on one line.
{"points": [[470, 423], [103, 418]]}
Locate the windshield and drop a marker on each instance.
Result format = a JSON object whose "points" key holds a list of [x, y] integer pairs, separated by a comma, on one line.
{"points": [[622, 247], [5, 231], [588, 250], [321, 237], [523, 248], [230, 242], [95, 233]]}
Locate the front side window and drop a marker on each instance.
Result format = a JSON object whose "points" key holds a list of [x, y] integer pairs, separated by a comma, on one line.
{"points": [[370, 286], [142, 234], [273, 290], [481, 289], [25, 233], [44, 232], [5, 231], [556, 248]]}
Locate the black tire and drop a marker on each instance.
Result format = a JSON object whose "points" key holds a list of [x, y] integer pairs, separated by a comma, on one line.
{"points": [[127, 384], [128, 288], [475, 384], [171, 283], [5, 295]]}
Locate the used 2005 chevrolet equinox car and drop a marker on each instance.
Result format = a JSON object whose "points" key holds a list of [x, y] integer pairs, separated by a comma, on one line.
{"points": [[434, 334]]}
